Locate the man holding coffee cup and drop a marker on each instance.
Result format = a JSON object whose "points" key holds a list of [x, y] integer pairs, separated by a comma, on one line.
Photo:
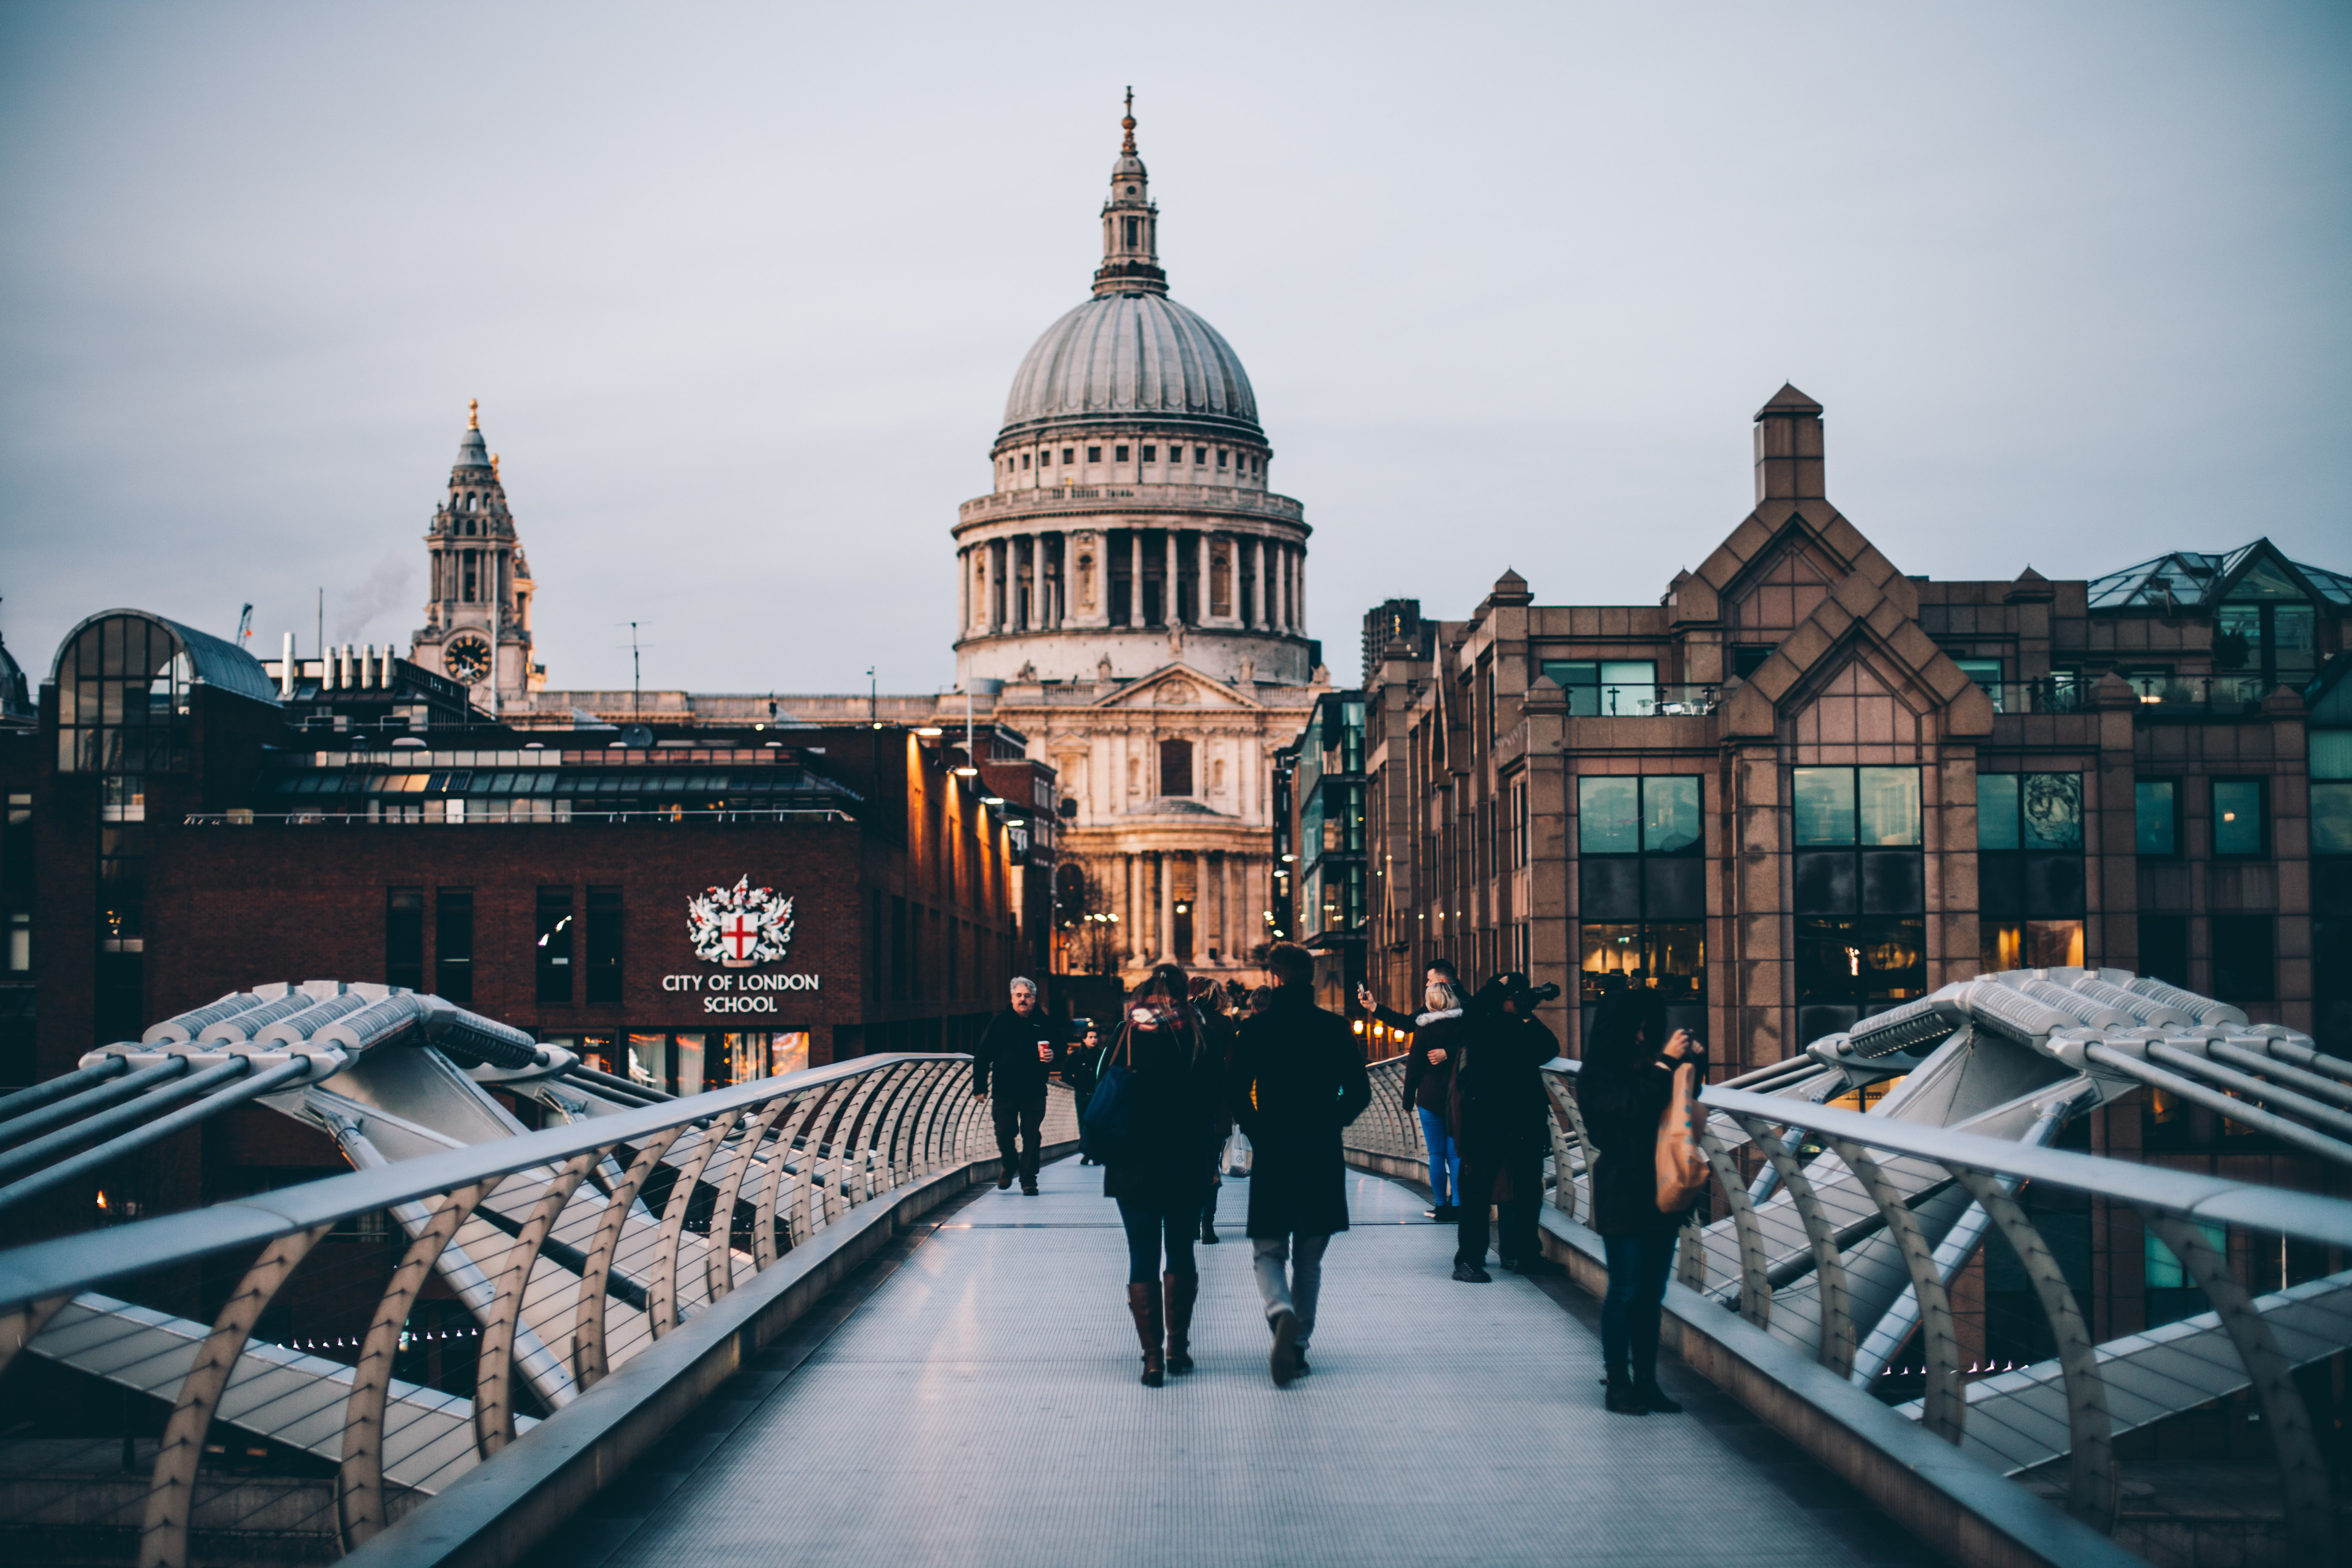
{"points": [[1021, 1049]]}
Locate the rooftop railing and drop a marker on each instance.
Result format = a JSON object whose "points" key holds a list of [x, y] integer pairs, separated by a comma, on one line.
{"points": [[1219, 498]]}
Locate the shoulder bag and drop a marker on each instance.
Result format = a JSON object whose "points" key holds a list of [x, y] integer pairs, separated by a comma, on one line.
{"points": [[1109, 1124], [1682, 1162]]}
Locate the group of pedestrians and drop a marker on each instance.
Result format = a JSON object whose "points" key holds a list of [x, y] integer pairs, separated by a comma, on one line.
{"points": [[1290, 1077], [1286, 1074]]}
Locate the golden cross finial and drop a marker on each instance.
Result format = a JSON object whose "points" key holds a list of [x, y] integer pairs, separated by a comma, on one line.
{"points": [[473, 413], [1128, 125]]}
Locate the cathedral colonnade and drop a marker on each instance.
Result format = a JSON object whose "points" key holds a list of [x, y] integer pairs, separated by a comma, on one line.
{"points": [[1062, 579], [1181, 905]]}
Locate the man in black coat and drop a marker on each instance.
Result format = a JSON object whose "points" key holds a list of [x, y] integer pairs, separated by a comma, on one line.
{"points": [[1502, 1119], [1020, 1050], [1296, 1079]]}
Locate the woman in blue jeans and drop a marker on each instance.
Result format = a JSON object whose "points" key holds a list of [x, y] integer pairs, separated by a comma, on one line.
{"points": [[1626, 1081], [1161, 1174], [1428, 1086]]}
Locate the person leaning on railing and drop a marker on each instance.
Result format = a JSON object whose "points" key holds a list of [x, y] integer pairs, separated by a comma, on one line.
{"points": [[1626, 1082]]}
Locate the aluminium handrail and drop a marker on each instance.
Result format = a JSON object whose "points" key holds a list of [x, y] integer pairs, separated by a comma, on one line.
{"points": [[44, 1269]]}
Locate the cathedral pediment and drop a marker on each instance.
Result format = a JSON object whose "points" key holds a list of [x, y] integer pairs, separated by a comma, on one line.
{"points": [[1180, 687]]}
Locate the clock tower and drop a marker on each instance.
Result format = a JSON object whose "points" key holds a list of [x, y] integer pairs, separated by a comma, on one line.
{"points": [[476, 626]]}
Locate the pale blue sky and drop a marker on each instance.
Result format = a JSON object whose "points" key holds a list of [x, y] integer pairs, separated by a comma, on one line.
{"points": [[741, 287]]}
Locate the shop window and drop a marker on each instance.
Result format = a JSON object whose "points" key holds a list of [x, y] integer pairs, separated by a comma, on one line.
{"points": [[603, 947], [2164, 949], [403, 937], [1613, 688], [2243, 970], [1641, 882], [453, 945], [686, 1064], [2240, 821], [2030, 944], [554, 962], [2029, 864], [2156, 820]]}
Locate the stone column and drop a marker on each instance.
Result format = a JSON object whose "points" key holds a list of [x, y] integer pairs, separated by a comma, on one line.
{"points": [[1204, 603], [1135, 577], [1041, 592], [1299, 590], [1130, 914], [1166, 934], [1258, 617], [1172, 602], [963, 593], [1000, 555], [1225, 921]]}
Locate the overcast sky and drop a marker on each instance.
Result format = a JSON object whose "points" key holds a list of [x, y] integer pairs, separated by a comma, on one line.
{"points": [[741, 287]]}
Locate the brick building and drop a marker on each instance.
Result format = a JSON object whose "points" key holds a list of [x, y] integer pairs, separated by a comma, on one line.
{"points": [[185, 821], [1804, 786]]}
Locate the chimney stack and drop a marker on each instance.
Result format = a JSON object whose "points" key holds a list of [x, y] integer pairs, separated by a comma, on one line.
{"points": [[1788, 448]]}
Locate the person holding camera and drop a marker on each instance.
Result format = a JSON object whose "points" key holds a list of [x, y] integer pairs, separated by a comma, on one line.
{"points": [[1437, 1035], [1297, 1078], [1625, 1085], [1020, 1049], [1504, 1122], [1160, 1173]]}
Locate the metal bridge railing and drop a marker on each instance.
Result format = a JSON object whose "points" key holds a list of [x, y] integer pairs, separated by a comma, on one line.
{"points": [[335, 1353], [1850, 1178]]}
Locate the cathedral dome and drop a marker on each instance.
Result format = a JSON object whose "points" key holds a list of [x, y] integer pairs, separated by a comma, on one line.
{"points": [[1139, 356]]}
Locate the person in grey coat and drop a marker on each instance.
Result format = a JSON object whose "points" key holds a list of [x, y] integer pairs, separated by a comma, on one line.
{"points": [[1297, 1079]]}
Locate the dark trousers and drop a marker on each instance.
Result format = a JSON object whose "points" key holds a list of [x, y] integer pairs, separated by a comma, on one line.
{"points": [[1479, 1169], [1027, 1117], [1638, 1267], [1150, 1228]]}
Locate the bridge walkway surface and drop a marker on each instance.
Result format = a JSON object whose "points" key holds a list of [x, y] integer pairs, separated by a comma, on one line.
{"points": [[970, 1398]]}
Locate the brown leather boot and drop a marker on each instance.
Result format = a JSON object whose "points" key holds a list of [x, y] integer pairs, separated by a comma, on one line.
{"points": [[1181, 1290], [1143, 1305]]}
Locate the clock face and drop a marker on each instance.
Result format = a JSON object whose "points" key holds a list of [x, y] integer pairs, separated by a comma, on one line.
{"points": [[466, 659]]}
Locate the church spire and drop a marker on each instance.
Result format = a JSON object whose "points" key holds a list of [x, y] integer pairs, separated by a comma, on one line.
{"points": [[1131, 224]]}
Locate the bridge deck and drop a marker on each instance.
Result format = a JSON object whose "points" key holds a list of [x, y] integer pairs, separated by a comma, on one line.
{"points": [[979, 1406]]}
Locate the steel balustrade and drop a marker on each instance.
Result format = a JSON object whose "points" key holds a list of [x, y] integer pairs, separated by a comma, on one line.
{"points": [[781, 1159], [2180, 1207]]}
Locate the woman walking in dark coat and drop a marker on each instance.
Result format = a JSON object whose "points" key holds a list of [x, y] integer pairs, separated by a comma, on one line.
{"points": [[1626, 1083], [1161, 1174], [1297, 1078]]}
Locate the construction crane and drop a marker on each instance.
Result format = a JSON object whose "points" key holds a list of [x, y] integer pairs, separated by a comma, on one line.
{"points": [[245, 626]]}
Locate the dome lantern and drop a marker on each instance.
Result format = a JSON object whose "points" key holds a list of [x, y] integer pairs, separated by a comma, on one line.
{"points": [[1131, 224]]}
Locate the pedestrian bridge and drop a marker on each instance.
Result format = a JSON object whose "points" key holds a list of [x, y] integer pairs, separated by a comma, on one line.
{"points": [[792, 1320]]}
